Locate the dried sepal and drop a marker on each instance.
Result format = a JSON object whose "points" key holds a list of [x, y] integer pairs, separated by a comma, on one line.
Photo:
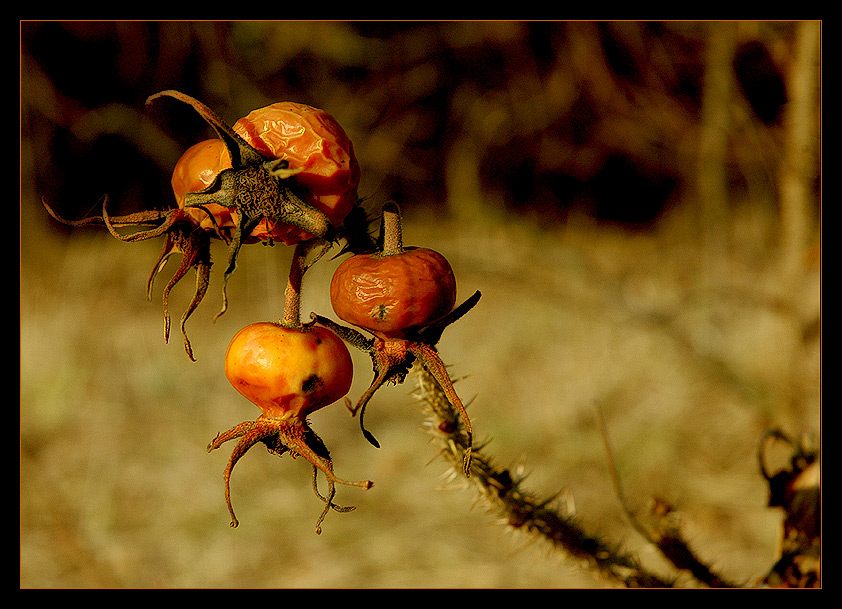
{"points": [[280, 437], [393, 357]]}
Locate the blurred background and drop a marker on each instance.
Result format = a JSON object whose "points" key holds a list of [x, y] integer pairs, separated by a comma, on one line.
{"points": [[639, 203]]}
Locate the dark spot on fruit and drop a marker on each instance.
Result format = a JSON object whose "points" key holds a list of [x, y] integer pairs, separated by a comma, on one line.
{"points": [[310, 383]]}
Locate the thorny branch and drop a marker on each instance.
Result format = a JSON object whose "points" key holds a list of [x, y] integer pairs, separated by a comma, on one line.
{"points": [[795, 489], [502, 491]]}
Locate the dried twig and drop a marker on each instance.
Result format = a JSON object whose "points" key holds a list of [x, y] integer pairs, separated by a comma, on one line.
{"points": [[663, 530]]}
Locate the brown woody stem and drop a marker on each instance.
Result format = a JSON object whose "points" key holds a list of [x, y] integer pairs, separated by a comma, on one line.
{"points": [[392, 230], [292, 293]]}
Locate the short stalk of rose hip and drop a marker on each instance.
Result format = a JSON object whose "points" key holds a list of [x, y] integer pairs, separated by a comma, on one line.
{"points": [[284, 173], [288, 370], [404, 297]]}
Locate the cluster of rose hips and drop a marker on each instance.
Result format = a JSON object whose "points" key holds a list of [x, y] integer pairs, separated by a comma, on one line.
{"points": [[286, 173]]}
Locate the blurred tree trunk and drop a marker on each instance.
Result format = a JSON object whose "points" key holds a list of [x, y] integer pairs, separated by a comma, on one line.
{"points": [[801, 148], [717, 96]]}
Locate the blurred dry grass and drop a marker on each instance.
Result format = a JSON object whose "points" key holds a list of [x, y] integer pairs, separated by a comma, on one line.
{"points": [[689, 350]]}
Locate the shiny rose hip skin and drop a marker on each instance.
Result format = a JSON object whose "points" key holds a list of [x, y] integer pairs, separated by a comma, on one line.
{"points": [[288, 372], [404, 297], [390, 294]]}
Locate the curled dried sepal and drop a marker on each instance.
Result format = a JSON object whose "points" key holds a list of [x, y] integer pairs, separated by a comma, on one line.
{"points": [[181, 236], [241, 152], [393, 357], [282, 436], [195, 253]]}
